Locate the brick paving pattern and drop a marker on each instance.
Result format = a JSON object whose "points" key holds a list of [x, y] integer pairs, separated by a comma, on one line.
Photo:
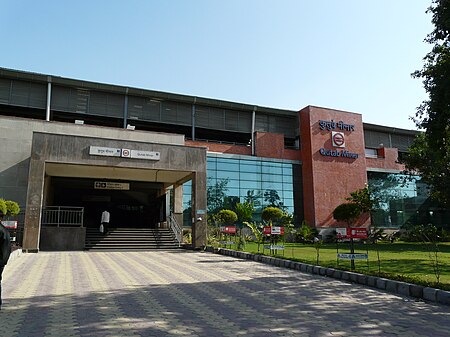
{"points": [[184, 293]]}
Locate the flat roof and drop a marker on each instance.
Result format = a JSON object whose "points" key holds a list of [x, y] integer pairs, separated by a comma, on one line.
{"points": [[125, 90]]}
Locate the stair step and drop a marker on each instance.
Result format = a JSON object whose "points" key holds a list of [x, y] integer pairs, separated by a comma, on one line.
{"points": [[130, 239]]}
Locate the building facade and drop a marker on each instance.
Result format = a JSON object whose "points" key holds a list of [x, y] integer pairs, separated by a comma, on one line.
{"points": [[150, 154]]}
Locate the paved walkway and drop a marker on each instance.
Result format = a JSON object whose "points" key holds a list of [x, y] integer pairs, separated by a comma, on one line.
{"points": [[182, 293]]}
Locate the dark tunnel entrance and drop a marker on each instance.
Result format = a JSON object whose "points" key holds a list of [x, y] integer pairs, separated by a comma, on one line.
{"points": [[132, 204]]}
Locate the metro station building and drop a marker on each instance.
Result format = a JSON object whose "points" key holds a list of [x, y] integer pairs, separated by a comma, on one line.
{"points": [[153, 157]]}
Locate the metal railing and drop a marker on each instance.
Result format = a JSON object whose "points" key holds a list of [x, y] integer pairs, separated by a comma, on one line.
{"points": [[176, 228], [62, 216]]}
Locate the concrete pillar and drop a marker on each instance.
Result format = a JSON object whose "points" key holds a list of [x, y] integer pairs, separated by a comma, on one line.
{"points": [[32, 228], [199, 215], [178, 203]]}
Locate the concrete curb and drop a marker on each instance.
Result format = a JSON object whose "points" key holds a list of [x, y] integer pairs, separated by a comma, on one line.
{"points": [[395, 287]]}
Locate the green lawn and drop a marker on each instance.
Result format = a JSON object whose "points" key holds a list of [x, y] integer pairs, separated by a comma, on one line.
{"points": [[408, 261]]}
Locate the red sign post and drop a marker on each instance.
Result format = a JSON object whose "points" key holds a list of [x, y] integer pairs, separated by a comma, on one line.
{"points": [[274, 230], [228, 229], [351, 233]]}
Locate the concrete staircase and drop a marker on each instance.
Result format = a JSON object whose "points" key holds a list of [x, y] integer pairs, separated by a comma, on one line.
{"points": [[130, 239]]}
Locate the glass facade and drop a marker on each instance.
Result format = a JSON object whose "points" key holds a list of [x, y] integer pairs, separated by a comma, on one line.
{"points": [[403, 200], [233, 179]]}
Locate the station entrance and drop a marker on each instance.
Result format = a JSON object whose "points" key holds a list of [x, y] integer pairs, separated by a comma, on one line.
{"points": [[132, 204], [138, 179]]}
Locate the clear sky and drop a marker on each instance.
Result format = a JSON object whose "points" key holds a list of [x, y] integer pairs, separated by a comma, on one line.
{"points": [[352, 55]]}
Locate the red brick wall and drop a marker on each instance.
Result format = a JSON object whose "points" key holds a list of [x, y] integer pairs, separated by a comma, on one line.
{"points": [[271, 145], [387, 159], [223, 148], [328, 180]]}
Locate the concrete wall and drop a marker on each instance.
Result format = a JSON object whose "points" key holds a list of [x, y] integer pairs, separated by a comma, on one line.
{"points": [[59, 238], [15, 148]]}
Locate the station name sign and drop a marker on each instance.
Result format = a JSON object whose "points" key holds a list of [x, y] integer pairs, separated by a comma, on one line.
{"points": [[337, 139], [123, 153], [332, 125], [110, 185]]}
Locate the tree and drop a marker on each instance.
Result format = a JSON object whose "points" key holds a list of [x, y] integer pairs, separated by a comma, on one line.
{"points": [[215, 194], [363, 198], [348, 212], [245, 211], [226, 217], [429, 154], [272, 198], [272, 214]]}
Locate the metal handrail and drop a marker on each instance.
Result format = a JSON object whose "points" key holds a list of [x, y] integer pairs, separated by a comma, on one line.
{"points": [[62, 216], [176, 229]]}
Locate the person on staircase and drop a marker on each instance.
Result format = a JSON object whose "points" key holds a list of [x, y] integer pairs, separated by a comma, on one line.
{"points": [[104, 222]]}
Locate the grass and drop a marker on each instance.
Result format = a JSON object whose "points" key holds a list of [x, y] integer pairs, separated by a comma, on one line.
{"points": [[410, 262]]}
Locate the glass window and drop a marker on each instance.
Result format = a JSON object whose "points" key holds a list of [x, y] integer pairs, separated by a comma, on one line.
{"points": [[403, 200], [261, 182], [250, 185], [272, 169], [371, 153], [250, 168], [287, 171], [228, 174], [288, 187], [272, 186], [233, 183], [272, 178], [232, 192], [249, 176], [227, 166]]}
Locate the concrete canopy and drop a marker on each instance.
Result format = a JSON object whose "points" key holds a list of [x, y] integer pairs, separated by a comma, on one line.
{"points": [[108, 172], [71, 156]]}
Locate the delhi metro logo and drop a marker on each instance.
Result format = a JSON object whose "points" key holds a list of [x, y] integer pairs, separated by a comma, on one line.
{"points": [[338, 139], [126, 153]]}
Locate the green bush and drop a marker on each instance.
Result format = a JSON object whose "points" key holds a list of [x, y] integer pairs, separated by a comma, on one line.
{"points": [[245, 211], [272, 214], [347, 212], [226, 217], [3, 208], [305, 233], [12, 208]]}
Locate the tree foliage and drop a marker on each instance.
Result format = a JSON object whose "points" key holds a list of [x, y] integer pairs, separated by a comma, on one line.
{"points": [[8, 208], [245, 211], [12, 208], [272, 214], [347, 212], [429, 155], [3, 208], [226, 217], [363, 198], [215, 194]]}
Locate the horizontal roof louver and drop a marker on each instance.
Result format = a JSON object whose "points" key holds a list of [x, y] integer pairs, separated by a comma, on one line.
{"points": [[374, 139], [28, 94], [5, 90], [202, 116]]}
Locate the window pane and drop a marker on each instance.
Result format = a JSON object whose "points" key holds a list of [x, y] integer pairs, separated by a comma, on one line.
{"points": [[228, 174], [249, 176]]}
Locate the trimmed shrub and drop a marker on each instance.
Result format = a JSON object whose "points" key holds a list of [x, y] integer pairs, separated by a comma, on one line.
{"points": [[12, 208], [3, 208], [272, 214], [226, 217]]}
